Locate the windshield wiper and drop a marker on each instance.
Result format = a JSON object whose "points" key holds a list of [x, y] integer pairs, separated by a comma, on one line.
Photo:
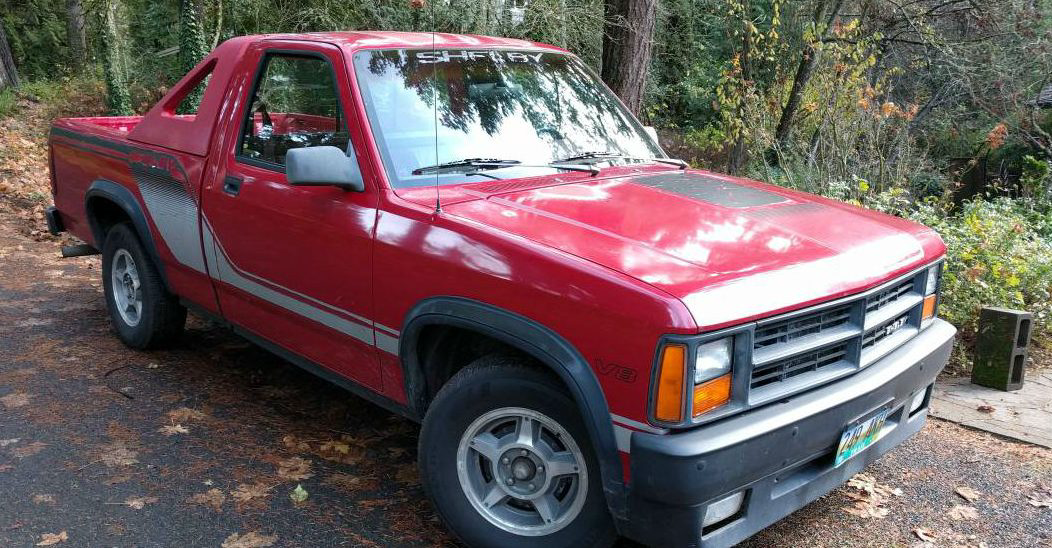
{"points": [[600, 154], [493, 163]]}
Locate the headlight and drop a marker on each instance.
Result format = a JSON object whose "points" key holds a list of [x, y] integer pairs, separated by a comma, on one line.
{"points": [[709, 367], [931, 294], [712, 360]]}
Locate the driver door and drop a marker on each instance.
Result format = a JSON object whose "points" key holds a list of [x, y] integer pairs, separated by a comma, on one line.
{"points": [[294, 263]]}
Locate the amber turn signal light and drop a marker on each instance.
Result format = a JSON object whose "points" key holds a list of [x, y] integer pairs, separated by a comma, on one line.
{"points": [[711, 394], [669, 405], [928, 311]]}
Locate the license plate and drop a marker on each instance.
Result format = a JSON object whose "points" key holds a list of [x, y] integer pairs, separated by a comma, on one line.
{"points": [[856, 438]]}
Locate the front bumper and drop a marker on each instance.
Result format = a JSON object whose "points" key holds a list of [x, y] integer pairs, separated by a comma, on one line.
{"points": [[781, 454]]}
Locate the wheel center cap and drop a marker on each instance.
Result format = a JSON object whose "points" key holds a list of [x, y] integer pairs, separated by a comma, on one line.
{"points": [[523, 469]]}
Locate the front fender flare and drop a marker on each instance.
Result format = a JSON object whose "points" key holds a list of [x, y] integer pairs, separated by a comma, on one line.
{"points": [[539, 342], [102, 189]]}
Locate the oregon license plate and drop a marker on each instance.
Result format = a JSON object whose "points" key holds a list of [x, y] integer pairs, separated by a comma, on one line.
{"points": [[857, 437]]}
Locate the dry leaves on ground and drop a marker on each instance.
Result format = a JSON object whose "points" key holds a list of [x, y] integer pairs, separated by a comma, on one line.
{"points": [[967, 493], [28, 450], [962, 512], [294, 469], [925, 534], [253, 539], [246, 492], [118, 454], [213, 498], [869, 496], [138, 503], [299, 494], [185, 414], [50, 539], [14, 400], [44, 499], [173, 429]]}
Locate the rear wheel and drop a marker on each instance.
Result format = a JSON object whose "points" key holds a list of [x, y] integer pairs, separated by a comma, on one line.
{"points": [[142, 311], [506, 460]]}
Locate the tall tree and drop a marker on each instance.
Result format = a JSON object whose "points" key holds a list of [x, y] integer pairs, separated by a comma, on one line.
{"points": [[113, 62], [78, 43], [627, 44], [8, 72], [825, 14]]}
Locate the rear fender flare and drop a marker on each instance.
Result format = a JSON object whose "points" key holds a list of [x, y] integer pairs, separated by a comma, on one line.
{"points": [[119, 195], [536, 340]]}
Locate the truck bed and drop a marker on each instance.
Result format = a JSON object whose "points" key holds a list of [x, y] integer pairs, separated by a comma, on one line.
{"points": [[122, 124]]}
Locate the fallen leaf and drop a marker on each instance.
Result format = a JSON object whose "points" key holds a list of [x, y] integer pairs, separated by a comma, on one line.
{"points": [[1039, 502], [245, 492], [967, 493], [28, 450], [961, 512], [6, 467], [173, 429], [185, 414], [925, 534], [254, 539], [292, 442], [153, 365], [299, 494], [49, 539], [139, 502], [335, 446], [866, 510], [213, 498], [117, 454], [407, 474], [5, 443], [44, 498], [294, 469], [16, 399], [985, 409]]}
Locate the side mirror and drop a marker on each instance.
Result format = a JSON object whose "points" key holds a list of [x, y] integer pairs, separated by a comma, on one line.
{"points": [[323, 166]]}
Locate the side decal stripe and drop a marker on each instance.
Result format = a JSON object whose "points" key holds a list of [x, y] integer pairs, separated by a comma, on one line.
{"points": [[229, 273]]}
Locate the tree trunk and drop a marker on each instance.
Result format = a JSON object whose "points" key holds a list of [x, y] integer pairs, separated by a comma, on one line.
{"points": [[627, 40], [736, 160], [78, 43], [113, 65], [8, 72], [806, 68]]}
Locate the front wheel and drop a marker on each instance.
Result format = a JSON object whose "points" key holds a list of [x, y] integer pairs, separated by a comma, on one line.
{"points": [[505, 459]]}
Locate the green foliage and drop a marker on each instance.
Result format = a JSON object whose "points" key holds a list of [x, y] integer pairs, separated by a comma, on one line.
{"points": [[36, 32], [996, 258], [113, 63], [7, 102]]}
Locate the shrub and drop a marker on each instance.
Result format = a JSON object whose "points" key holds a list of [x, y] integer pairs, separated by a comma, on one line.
{"points": [[996, 257]]}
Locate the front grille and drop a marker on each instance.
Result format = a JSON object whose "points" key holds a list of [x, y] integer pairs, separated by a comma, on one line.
{"points": [[791, 329], [798, 365], [805, 349]]}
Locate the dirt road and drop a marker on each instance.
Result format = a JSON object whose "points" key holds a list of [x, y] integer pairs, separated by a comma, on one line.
{"points": [[205, 444]]}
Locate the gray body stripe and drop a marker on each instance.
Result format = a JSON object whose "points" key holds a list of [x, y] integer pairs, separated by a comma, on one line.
{"points": [[387, 329], [174, 214], [386, 342], [625, 421], [623, 428], [230, 275], [623, 437]]}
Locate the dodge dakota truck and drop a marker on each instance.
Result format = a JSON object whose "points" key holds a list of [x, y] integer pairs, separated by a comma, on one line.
{"points": [[475, 233]]}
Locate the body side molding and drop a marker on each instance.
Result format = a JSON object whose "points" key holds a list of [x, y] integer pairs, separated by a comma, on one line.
{"points": [[536, 340]]}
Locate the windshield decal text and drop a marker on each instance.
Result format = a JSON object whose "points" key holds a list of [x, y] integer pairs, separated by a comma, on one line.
{"points": [[445, 56]]}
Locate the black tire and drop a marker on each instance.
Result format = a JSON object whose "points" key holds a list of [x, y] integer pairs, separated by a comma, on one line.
{"points": [[490, 383], [162, 317]]}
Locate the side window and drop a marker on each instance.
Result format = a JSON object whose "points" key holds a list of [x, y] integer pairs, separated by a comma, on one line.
{"points": [[295, 104]]}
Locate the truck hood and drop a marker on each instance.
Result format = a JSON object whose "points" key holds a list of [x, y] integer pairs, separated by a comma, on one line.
{"points": [[731, 249]]}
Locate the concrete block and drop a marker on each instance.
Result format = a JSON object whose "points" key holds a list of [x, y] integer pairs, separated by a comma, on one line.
{"points": [[1001, 348]]}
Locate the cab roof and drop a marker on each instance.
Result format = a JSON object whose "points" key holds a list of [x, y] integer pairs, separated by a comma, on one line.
{"points": [[355, 40]]}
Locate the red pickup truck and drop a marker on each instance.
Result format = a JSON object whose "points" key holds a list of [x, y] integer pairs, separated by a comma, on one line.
{"points": [[475, 233]]}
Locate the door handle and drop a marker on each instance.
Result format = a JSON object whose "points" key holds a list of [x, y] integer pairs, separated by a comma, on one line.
{"points": [[232, 185]]}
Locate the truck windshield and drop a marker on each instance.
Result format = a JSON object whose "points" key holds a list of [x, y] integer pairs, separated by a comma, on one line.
{"points": [[532, 107]]}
